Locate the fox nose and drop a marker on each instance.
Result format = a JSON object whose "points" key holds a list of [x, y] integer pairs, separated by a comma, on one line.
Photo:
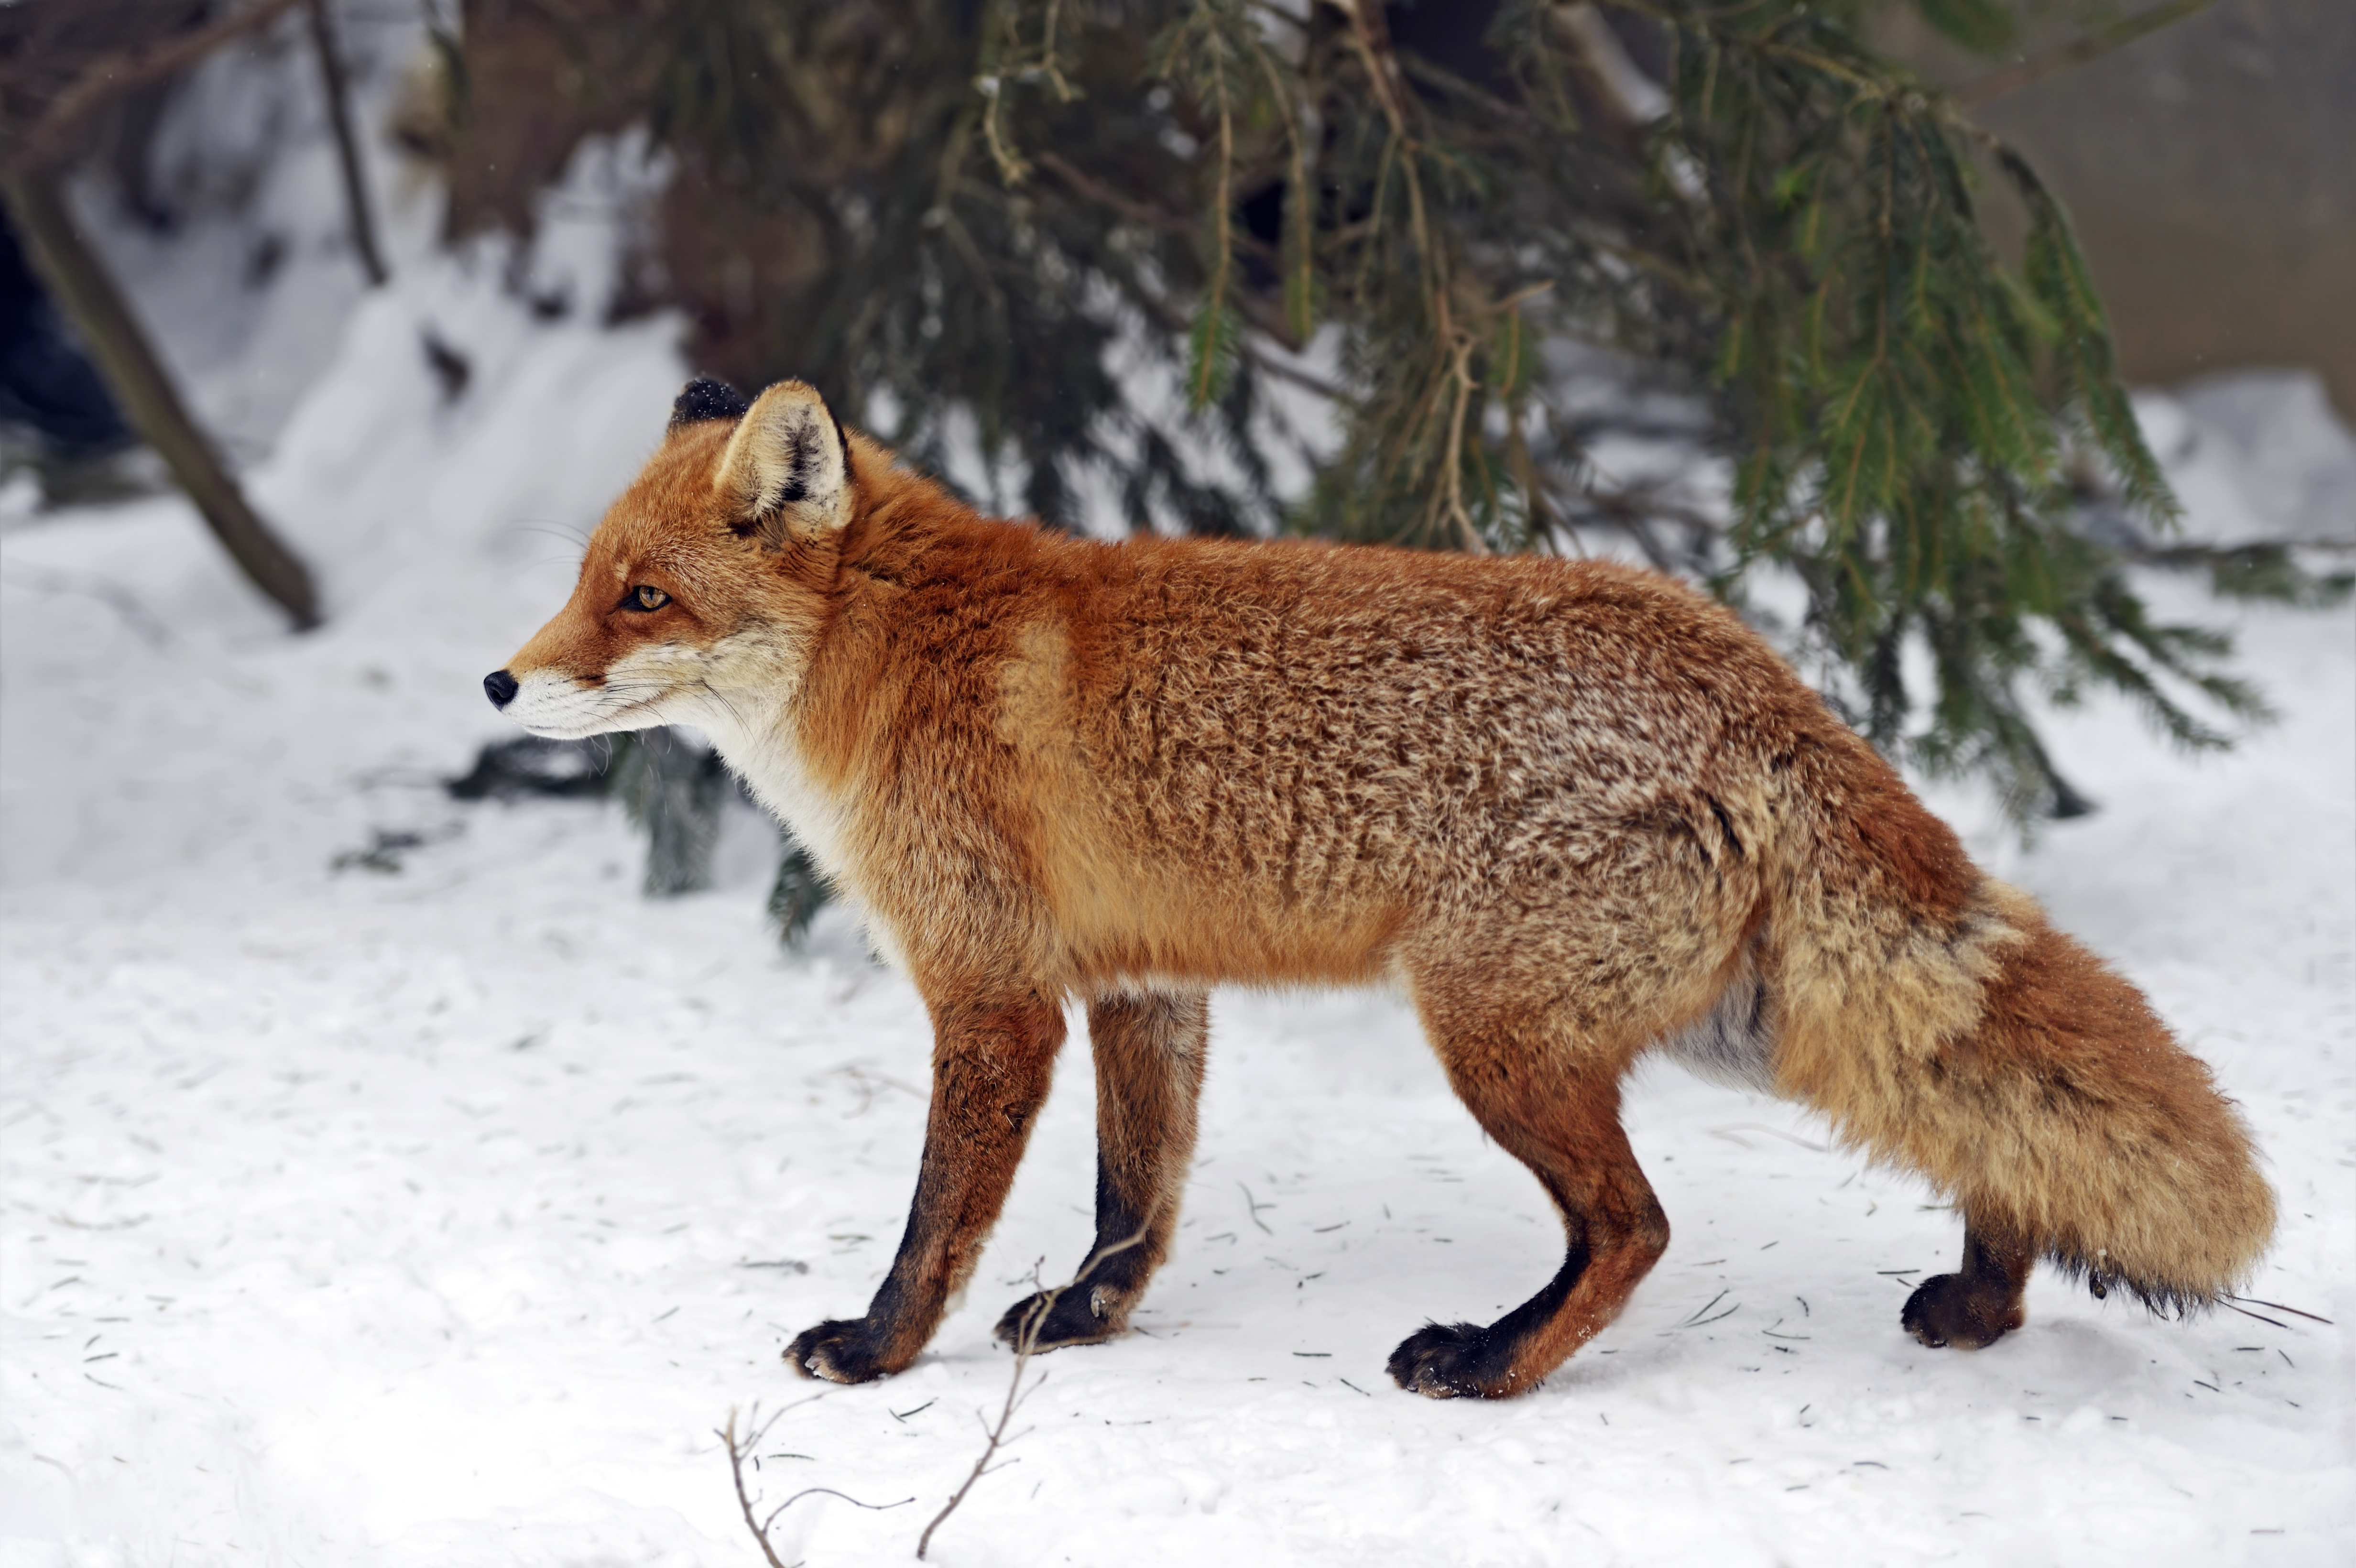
{"points": [[500, 688]]}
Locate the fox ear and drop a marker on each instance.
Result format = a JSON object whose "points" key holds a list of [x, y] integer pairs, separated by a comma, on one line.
{"points": [[705, 398], [787, 471]]}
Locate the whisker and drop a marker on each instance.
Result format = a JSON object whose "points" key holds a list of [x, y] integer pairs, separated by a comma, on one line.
{"points": [[563, 530], [722, 699]]}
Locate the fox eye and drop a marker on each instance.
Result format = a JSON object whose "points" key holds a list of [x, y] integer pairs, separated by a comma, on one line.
{"points": [[645, 598]]}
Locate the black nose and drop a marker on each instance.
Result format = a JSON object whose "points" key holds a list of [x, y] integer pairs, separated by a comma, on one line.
{"points": [[500, 688]]}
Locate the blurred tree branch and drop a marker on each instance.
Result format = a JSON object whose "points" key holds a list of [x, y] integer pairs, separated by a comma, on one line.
{"points": [[62, 60], [2078, 51], [79, 281], [1081, 235], [59, 63], [347, 146]]}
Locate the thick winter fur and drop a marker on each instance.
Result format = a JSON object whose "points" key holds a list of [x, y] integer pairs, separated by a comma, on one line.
{"points": [[1578, 811]]}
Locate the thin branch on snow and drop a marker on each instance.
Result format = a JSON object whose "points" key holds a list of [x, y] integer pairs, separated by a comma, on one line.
{"points": [[1026, 1344], [738, 1449], [2279, 1307]]}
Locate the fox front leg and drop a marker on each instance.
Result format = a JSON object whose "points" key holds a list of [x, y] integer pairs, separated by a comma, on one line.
{"points": [[1148, 1055], [991, 1063]]}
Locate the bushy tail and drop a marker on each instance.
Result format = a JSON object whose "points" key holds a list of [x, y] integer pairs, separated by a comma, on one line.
{"points": [[1944, 1025]]}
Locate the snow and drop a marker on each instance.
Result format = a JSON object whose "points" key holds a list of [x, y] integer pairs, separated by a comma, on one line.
{"points": [[2256, 454], [439, 1217]]}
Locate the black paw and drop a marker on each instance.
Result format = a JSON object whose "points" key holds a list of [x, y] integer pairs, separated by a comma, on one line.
{"points": [[843, 1352], [1449, 1361], [1947, 1310], [1084, 1315]]}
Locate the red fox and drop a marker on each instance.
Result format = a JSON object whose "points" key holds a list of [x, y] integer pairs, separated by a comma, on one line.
{"points": [[1578, 812]]}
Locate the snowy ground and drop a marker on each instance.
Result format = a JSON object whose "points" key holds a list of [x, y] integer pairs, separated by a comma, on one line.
{"points": [[437, 1217]]}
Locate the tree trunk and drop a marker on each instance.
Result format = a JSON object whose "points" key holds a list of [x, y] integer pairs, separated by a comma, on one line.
{"points": [[347, 147], [82, 286]]}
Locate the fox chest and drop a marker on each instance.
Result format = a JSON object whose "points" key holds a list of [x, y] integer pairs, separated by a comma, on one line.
{"points": [[819, 817]]}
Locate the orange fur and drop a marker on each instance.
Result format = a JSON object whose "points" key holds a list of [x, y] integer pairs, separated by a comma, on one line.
{"points": [[1578, 811]]}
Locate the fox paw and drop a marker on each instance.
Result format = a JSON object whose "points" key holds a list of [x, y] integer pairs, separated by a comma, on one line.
{"points": [[1080, 1316], [845, 1350], [1452, 1361], [1950, 1309]]}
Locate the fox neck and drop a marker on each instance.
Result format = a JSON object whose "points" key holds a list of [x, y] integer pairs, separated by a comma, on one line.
{"points": [[823, 680], [757, 736], [771, 765], [755, 726]]}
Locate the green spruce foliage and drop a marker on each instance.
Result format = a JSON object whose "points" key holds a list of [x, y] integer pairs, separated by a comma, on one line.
{"points": [[1137, 243], [673, 791]]}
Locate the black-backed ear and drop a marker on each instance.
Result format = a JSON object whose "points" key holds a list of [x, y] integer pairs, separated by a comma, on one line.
{"points": [[705, 398], [787, 471]]}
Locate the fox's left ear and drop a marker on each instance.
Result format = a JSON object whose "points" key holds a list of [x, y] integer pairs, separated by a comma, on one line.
{"points": [[787, 471]]}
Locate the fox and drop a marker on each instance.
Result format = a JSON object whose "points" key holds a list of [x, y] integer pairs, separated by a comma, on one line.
{"points": [[1581, 814]]}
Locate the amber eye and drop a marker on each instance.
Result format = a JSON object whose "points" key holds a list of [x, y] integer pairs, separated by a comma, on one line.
{"points": [[645, 598]]}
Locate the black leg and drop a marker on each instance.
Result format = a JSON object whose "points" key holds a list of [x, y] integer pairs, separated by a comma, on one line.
{"points": [[990, 1069], [1148, 1057], [1975, 1308]]}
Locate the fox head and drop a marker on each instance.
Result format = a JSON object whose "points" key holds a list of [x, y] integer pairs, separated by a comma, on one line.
{"points": [[705, 584]]}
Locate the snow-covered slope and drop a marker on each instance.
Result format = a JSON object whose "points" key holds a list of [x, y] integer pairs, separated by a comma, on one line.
{"points": [[436, 1218]]}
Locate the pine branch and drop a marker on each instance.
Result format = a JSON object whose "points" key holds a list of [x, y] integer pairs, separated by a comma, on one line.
{"points": [[1791, 241]]}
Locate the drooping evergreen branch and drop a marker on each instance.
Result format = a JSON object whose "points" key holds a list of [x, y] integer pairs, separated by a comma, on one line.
{"points": [[984, 207]]}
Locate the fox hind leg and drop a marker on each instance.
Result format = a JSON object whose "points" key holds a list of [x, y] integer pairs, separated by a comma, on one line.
{"points": [[1974, 1307], [1148, 1050], [1561, 1116]]}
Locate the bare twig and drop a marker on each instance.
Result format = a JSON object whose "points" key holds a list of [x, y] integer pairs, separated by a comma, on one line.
{"points": [[1697, 1319], [2279, 1307], [738, 1449], [104, 77], [1370, 35], [1103, 195], [347, 146], [1728, 1132], [1011, 166], [1460, 372], [2076, 52], [1026, 1344], [1010, 68], [1053, 72], [2259, 1316]]}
